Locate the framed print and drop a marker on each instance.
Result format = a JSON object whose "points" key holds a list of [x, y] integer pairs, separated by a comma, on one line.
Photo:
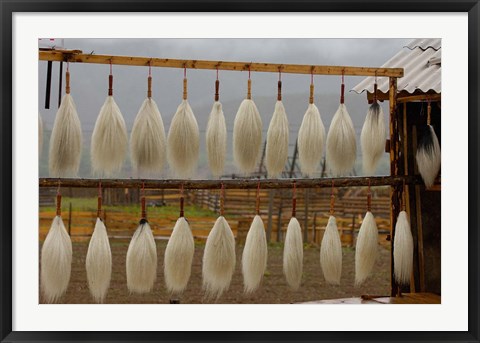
{"points": [[239, 171]]}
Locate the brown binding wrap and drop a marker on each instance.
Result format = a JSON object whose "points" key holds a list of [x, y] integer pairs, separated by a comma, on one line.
{"points": [[249, 89], [110, 85], [149, 89], [342, 93], [144, 208], [294, 200], [59, 204], [429, 113], [312, 90], [67, 82], [279, 96], [99, 206], [185, 89], [217, 87]]}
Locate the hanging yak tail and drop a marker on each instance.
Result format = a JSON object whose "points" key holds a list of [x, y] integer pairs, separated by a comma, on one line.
{"points": [[372, 138], [56, 263], [99, 262], [109, 140], [183, 141], [247, 136], [403, 250], [428, 156], [366, 248], [293, 254], [66, 140], [277, 141], [142, 260], [311, 141], [148, 144], [341, 143], [254, 258], [218, 259], [179, 257], [331, 253], [216, 138]]}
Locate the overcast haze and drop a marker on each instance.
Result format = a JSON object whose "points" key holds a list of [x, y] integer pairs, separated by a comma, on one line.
{"points": [[89, 83]]}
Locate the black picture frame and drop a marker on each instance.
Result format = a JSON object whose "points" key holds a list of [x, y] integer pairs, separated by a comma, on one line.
{"points": [[8, 7]]}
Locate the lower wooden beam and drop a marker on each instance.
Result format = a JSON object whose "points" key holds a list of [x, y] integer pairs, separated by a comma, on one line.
{"points": [[231, 183]]}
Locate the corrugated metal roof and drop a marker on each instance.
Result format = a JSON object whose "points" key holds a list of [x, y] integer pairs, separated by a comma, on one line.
{"points": [[421, 60]]}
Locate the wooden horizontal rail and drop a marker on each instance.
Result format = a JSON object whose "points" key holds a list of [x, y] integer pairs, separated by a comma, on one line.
{"points": [[231, 184], [77, 57]]}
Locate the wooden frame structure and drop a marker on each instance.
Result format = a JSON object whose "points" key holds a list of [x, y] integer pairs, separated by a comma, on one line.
{"points": [[394, 180]]}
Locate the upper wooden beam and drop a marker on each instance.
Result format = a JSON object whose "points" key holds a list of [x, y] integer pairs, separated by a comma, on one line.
{"points": [[78, 57]]}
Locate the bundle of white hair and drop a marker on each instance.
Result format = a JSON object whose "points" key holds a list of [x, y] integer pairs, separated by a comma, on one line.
{"points": [[141, 264], [403, 250], [179, 257], [372, 138], [331, 253], [293, 254], [218, 259], [311, 139], [247, 135], [276, 153], [183, 140], [109, 144], [428, 153], [148, 144], [254, 257], [66, 139], [366, 249], [56, 262], [341, 143], [216, 137], [99, 262]]}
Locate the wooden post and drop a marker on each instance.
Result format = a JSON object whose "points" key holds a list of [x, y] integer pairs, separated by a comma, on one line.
{"points": [[69, 218], [394, 190], [305, 220], [271, 197], [279, 219]]}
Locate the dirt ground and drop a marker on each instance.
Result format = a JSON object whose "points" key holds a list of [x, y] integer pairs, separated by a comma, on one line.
{"points": [[273, 290]]}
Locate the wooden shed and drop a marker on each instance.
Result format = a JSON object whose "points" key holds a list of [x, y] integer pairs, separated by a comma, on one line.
{"points": [[416, 90]]}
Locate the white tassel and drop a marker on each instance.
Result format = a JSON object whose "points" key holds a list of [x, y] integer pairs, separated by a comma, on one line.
{"points": [[109, 140], [183, 142], [142, 260], [366, 249], [40, 135], [148, 144], [403, 250], [247, 136], [179, 257], [66, 140], [293, 254], [372, 138], [277, 142], [311, 141], [99, 262], [331, 253], [216, 138], [341, 143], [218, 259], [428, 156], [254, 258], [56, 263]]}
